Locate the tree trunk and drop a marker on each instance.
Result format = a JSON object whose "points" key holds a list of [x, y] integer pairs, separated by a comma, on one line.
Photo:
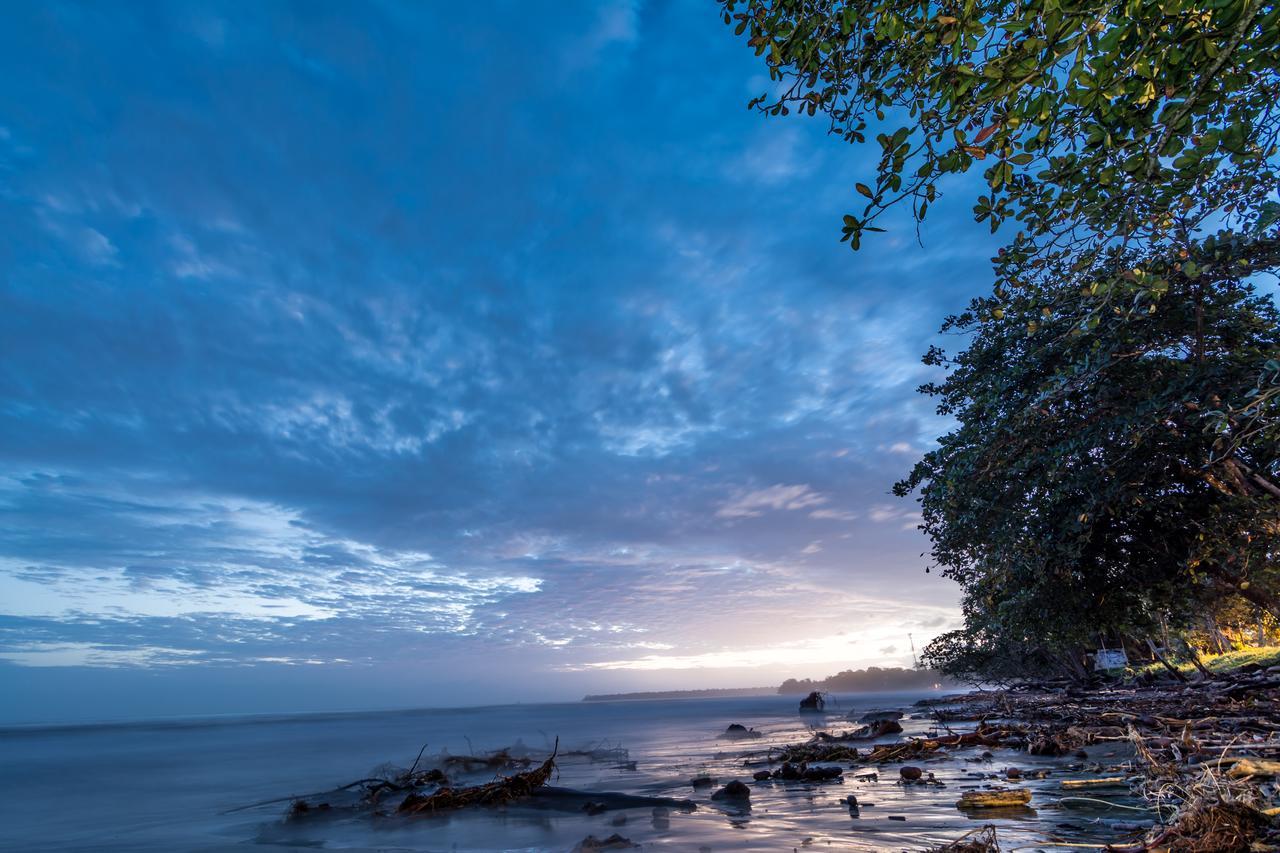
{"points": [[1177, 673]]}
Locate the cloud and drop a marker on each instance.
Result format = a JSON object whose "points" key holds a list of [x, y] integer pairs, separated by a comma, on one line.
{"points": [[776, 497], [834, 514], [301, 373]]}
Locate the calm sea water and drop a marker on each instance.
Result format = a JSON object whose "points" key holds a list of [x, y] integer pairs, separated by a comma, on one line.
{"points": [[165, 786]]}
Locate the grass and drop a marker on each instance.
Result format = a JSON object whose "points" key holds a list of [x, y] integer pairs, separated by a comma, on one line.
{"points": [[1262, 655]]}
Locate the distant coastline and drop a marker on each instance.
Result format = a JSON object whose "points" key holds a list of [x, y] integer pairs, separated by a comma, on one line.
{"points": [[873, 679], [682, 694], [869, 680]]}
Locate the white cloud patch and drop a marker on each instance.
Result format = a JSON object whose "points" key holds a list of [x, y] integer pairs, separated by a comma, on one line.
{"points": [[834, 514], [773, 498]]}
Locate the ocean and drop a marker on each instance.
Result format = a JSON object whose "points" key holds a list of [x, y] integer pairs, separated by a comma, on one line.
{"points": [[172, 785]]}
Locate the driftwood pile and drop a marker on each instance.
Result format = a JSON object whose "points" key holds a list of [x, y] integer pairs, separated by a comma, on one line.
{"points": [[1207, 754]]}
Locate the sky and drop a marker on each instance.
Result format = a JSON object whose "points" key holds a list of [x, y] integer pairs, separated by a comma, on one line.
{"points": [[401, 354]]}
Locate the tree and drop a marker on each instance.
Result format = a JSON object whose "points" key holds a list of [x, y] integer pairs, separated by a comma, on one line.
{"points": [[1094, 123], [1115, 459], [1105, 482]]}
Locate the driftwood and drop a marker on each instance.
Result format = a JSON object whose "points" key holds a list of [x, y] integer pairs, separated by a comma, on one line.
{"points": [[980, 840], [999, 798], [497, 792], [1207, 754]]}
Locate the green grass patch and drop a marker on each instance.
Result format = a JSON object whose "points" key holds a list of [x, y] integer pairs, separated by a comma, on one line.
{"points": [[1262, 655]]}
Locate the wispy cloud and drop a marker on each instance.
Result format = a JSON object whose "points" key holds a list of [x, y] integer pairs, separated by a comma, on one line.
{"points": [[755, 503]]}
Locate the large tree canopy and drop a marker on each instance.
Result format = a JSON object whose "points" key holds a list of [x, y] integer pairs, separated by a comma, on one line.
{"points": [[1108, 482], [1117, 456]]}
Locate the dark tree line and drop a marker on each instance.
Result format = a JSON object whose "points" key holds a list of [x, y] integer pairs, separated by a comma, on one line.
{"points": [[871, 679]]}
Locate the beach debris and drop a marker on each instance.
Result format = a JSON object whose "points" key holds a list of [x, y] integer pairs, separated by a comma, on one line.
{"points": [[1102, 782], [301, 808], [761, 775], [1260, 767], [995, 798], [502, 790], [883, 728], [814, 751], [737, 731], [851, 801], [897, 817], [601, 751], [802, 772], [501, 759], [591, 844], [980, 840], [928, 780], [734, 791]]}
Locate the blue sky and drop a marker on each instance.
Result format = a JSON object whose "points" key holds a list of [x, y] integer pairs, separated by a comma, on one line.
{"points": [[403, 354]]}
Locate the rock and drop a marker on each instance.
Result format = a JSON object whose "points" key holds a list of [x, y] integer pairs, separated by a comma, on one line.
{"points": [[897, 817], [878, 716], [851, 801], [910, 773], [882, 728], [821, 774], [594, 808], [1013, 773], [735, 790], [761, 775], [737, 731], [814, 703], [702, 781]]}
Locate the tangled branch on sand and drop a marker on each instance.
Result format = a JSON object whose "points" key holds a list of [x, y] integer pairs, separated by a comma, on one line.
{"points": [[1218, 808], [805, 753], [980, 840], [913, 748], [498, 791]]}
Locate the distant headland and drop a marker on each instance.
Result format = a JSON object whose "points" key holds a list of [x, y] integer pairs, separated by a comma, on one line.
{"points": [[869, 680], [873, 679]]}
